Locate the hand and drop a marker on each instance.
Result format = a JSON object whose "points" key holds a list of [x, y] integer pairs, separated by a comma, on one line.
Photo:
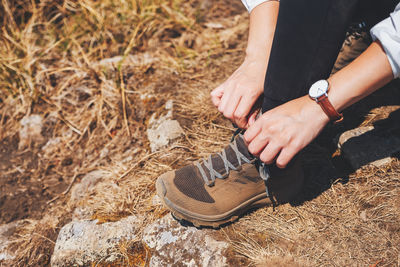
{"points": [[236, 97], [283, 131]]}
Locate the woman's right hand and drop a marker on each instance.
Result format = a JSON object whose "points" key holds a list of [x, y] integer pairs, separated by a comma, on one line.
{"points": [[236, 97]]}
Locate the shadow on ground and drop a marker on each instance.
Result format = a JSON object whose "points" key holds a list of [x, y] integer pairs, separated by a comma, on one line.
{"points": [[324, 164]]}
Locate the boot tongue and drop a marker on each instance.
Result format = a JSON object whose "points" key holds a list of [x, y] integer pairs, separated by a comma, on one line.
{"points": [[218, 163], [242, 147]]}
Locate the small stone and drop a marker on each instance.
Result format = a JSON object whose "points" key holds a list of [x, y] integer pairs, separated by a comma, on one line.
{"points": [[130, 60], [87, 184], [169, 104], [161, 131], [174, 244], [168, 130], [31, 128], [214, 25], [82, 213], [81, 243], [52, 145], [7, 230], [363, 215], [382, 162]]}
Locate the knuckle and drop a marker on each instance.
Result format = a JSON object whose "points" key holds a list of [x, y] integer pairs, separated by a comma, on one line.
{"points": [[238, 115], [264, 135], [296, 144]]}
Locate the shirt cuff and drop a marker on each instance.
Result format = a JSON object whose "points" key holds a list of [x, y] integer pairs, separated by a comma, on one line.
{"points": [[388, 33], [251, 4]]}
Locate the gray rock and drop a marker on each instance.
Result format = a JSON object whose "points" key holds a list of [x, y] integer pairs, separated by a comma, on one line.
{"points": [[7, 230], [82, 212], [369, 146], [161, 131], [87, 184], [130, 60], [31, 128], [174, 244], [83, 242]]}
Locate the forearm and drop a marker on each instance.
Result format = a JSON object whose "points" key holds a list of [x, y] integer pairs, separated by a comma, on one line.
{"points": [[369, 72], [263, 20]]}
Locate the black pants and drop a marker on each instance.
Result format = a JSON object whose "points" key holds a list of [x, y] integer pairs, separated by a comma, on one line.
{"points": [[308, 38]]}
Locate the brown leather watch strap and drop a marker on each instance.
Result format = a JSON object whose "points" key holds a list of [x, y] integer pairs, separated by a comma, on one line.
{"points": [[327, 107]]}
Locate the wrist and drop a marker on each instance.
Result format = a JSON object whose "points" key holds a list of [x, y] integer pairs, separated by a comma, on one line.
{"points": [[316, 112], [318, 92], [257, 53]]}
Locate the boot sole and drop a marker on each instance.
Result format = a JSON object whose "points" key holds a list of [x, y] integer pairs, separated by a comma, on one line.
{"points": [[214, 221]]}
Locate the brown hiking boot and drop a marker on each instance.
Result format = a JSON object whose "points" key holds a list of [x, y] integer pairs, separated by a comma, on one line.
{"points": [[194, 194]]}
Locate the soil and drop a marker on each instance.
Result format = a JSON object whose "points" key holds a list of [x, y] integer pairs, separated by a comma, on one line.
{"points": [[21, 196]]}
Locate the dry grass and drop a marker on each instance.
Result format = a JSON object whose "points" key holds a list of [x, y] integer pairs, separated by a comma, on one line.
{"points": [[96, 70], [95, 111], [350, 224]]}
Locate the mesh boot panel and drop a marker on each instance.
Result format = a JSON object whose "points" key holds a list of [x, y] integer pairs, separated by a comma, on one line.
{"points": [[190, 183]]}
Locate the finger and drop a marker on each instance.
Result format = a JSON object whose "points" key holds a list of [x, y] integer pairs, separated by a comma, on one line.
{"points": [[252, 118], [253, 131], [224, 100], [216, 95], [230, 108], [270, 152], [257, 145], [242, 111], [286, 156]]}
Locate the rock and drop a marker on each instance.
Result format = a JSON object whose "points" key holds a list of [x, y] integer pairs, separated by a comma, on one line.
{"points": [[142, 59], [6, 230], [163, 130], [369, 145], [214, 25], [87, 184], [51, 146], [84, 242], [31, 128], [161, 136], [82, 213], [173, 244]]}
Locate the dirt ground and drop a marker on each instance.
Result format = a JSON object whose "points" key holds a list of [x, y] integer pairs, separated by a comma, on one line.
{"points": [[95, 116]]}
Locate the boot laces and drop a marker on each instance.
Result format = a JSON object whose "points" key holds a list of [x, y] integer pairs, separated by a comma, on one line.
{"points": [[207, 163]]}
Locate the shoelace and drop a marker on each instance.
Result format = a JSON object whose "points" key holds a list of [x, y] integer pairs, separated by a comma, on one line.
{"points": [[228, 165], [264, 174]]}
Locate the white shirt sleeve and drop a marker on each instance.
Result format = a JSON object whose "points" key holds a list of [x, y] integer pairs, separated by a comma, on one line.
{"points": [[250, 4], [388, 33]]}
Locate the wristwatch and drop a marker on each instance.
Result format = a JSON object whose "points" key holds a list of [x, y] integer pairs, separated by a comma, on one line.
{"points": [[319, 92]]}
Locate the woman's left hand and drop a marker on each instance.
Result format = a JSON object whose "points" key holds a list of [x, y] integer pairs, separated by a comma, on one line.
{"points": [[282, 132]]}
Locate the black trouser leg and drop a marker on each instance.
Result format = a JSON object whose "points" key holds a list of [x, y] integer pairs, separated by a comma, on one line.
{"points": [[308, 38]]}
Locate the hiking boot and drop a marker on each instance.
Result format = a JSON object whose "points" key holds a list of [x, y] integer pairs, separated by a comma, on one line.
{"points": [[219, 189]]}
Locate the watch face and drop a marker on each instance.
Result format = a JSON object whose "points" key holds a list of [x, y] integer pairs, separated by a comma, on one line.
{"points": [[319, 88]]}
